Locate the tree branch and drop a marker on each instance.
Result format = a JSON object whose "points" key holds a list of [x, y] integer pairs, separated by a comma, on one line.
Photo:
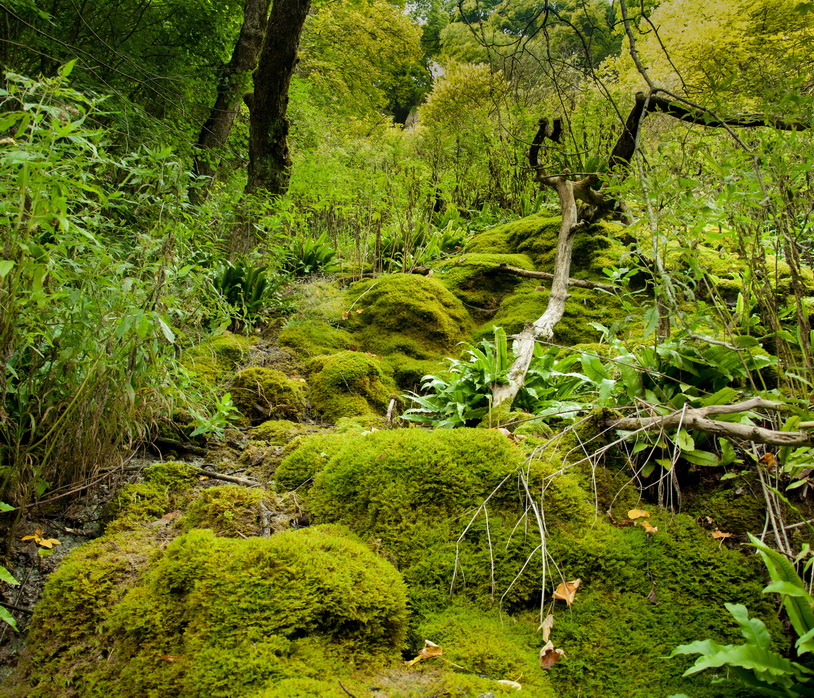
{"points": [[698, 419]]}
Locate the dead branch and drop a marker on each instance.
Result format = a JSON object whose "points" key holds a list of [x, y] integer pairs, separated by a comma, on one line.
{"points": [[581, 283], [699, 419]]}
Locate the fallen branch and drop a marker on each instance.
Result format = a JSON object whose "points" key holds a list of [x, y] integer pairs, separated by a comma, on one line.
{"points": [[581, 283], [698, 419], [226, 478]]}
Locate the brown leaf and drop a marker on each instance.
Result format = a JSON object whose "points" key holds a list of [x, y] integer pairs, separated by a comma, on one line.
{"points": [[549, 656], [769, 460], [345, 315], [359, 311], [169, 657], [720, 534], [567, 591], [638, 514]]}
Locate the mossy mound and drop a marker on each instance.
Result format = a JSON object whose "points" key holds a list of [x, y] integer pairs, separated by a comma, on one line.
{"points": [[228, 510], [211, 616], [216, 358], [412, 492], [476, 279], [595, 247], [582, 307], [311, 338], [408, 371], [347, 384], [406, 313], [165, 486], [279, 432], [264, 393]]}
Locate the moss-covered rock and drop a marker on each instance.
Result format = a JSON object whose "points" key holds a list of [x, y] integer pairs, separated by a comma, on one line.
{"points": [[583, 306], [264, 393], [164, 487], [348, 384], [228, 510], [406, 313], [595, 247], [476, 279], [279, 432], [216, 358], [211, 616], [311, 338], [408, 371]]}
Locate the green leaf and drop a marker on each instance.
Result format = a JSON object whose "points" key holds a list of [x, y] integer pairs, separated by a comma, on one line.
{"points": [[6, 265], [7, 617], [684, 441], [752, 629], [704, 458], [169, 335], [6, 507], [6, 576]]}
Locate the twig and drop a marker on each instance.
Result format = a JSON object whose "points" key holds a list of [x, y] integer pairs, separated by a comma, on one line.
{"points": [[226, 478], [16, 608], [581, 283], [345, 689]]}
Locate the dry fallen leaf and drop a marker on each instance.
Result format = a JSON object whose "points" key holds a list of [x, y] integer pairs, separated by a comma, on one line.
{"points": [[428, 651], [40, 540], [720, 534], [169, 657], [549, 656], [648, 527], [510, 684], [567, 591], [546, 626], [769, 460], [638, 514]]}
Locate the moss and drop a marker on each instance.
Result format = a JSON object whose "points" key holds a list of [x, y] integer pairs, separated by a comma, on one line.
{"points": [[412, 491], [583, 306], [263, 393], [408, 313], [408, 371], [214, 359], [536, 236], [310, 338], [347, 384], [303, 688], [305, 457], [279, 431], [228, 510], [212, 616], [646, 594], [164, 488], [477, 281], [487, 644]]}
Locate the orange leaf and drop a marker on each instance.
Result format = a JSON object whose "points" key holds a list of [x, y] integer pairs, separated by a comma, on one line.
{"points": [[567, 591], [345, 316], [638, 514], [720, 534], [48, 542], [769, 460], [549, 656], [359, 311], [648, 528], [428, 651]]}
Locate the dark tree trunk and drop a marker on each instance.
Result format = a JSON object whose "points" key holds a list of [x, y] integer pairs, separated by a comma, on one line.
{"points": [[269, 161], [231, 88]]}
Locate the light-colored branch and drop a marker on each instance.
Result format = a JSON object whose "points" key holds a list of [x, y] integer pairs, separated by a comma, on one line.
{"points": [[698, 419], [580, 283]]}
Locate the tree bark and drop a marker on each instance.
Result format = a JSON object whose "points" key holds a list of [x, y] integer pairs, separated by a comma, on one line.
{"points": [[543, 327], [231, 88], [269, 160]]}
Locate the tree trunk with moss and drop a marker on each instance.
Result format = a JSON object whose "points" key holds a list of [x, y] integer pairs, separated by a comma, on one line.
{"points": [[231, 89]]}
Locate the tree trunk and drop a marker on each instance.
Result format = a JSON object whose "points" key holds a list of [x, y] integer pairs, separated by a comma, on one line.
{"points": [[231, 88], [269, 161], [543, 327]]}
